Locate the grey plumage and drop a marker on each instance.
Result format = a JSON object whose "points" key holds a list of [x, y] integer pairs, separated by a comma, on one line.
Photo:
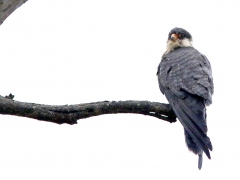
{"points": [[185, 77]]}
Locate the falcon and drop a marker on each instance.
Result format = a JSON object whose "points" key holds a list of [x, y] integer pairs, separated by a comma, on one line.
{"points": [[185, 78]]}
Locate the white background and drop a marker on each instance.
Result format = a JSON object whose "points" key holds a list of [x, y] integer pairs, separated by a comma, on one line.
{"points": [[77, 51]]}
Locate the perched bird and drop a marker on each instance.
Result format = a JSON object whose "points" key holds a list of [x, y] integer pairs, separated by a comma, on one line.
{"points": [[185, 77]]}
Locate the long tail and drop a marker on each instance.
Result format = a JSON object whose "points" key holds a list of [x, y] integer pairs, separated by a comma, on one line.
{"points": [[190, 111], [193, 146]]}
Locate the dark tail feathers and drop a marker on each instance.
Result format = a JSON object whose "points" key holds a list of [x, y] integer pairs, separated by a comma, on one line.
{"points": [[192, 146], [200, 160]]}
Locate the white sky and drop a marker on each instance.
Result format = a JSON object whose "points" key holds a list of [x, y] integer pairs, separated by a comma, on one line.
{"points": [[76, 51]]}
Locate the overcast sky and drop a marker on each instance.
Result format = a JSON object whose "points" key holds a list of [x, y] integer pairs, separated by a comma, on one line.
{"points": [[78, 51]]}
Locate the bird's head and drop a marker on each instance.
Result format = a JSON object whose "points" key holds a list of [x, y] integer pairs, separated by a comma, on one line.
{"points": [[178, 37]]}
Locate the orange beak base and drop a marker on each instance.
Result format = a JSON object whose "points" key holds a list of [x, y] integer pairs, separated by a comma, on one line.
{"points": [[174, 37]]}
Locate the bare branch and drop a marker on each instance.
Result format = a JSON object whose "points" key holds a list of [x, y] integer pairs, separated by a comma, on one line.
{"points": [[7, 7], [71, 113]]}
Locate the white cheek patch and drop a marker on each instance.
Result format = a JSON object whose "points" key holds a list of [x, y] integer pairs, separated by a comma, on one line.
{"points": [[171, 45], [185, 43]]}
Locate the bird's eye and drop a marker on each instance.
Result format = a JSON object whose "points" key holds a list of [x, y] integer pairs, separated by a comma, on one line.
{"points": [[180, 36]]}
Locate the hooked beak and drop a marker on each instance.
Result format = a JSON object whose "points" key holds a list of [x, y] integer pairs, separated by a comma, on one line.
{"points": [[174, 37]]}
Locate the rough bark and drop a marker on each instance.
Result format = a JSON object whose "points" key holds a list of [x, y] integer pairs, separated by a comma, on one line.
{"points": [[69, 114], [7, 7]]}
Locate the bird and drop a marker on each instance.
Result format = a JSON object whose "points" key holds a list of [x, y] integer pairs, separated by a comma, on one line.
{"points": [[185, 78]]}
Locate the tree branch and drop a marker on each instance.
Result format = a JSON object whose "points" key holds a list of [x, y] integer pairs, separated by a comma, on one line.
{"points": [[7, 7], [69, 114]]}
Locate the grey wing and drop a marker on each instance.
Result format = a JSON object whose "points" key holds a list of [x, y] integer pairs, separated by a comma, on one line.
{"points": [[189, 70], [185, 78]]}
